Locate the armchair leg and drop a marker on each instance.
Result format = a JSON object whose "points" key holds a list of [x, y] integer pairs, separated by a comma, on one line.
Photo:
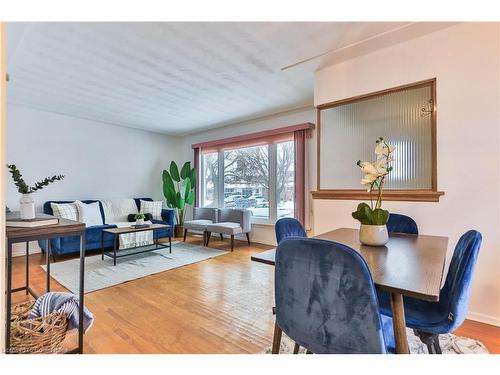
{"points": [[248, 238], [204, 238], [185, 233], [221, 237], [232, 242], [430, 340], [209, 234], [276, 339]]}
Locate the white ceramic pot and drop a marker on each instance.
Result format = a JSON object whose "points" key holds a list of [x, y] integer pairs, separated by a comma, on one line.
{"points": [[27, 205], [373, 235], [139, 222]]}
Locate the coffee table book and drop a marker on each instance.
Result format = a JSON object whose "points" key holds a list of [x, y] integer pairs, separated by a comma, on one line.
{"points": [[14, 220]]}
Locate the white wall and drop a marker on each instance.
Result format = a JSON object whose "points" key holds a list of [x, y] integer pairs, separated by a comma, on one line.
{"points": [[98, 160], [465, 61], [263, 233]]}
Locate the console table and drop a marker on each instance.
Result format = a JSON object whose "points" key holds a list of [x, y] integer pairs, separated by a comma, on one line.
{"points": [[14, 235]]}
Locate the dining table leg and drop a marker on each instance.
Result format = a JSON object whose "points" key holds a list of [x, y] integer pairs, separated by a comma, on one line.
{"points": [[399, 323]]}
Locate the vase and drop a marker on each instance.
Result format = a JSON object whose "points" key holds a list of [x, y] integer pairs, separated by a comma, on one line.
{"points": [[179, 230], [373, 235], [139, 221], [27, 205]]}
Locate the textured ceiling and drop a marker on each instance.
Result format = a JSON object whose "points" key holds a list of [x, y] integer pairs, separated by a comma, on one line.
{"points": [[174, 78]]}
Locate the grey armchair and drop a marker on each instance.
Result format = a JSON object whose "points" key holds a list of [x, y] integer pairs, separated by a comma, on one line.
{"points": [[231, 222], [201, 218]]}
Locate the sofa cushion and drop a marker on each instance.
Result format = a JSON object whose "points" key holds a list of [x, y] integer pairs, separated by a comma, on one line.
{"points": [[65, 210], [225, 228], [153, 208], [199, 224], [117, 210], [89, 213]]}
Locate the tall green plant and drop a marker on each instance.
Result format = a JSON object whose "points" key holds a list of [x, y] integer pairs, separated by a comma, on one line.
{"points": [[178, 188]]}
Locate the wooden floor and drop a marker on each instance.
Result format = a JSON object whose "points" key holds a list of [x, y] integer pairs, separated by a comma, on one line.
{"points": [[221, 305]]}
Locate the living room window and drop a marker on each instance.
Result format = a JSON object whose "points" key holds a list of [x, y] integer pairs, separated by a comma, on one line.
{"points": [[406, 117], [258, 172]]}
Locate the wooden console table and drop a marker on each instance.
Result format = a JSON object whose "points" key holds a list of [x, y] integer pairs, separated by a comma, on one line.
{"points": [[16, 235]]}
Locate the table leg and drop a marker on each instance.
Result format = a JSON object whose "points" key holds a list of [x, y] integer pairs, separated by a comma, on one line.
{"points": [[9, 295], [170, 244], [155, 236], [399, 323], [47, 260], [114, 249], [27, 267], [82, 281], [102, 245]]}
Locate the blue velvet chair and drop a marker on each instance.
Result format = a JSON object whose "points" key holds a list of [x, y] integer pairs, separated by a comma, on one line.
{"points": [[430, 319], [401, 224], [326, 299], [288, 227]]}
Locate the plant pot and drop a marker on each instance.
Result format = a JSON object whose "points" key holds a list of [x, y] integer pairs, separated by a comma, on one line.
{"points": [[139, 221], [27, 205], [373, 235], [179, 230]]}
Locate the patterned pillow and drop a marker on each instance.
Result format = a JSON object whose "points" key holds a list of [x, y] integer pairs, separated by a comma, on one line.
{"points": [[65, 210], [153, 208]]}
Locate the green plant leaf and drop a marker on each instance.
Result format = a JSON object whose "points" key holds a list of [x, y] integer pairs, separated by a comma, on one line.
{"points": [[180, 201], [380, 216], [192, 177], [187, 188], [363, 213], [190, 198], [186, 168], [169, 189], [174, 172]]}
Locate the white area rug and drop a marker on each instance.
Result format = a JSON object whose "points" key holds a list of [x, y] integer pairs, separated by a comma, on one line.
{"points": [[450, 344], [100, 274]]}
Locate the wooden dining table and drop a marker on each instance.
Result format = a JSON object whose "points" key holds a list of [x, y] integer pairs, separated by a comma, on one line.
{"points": [[408, 265]]}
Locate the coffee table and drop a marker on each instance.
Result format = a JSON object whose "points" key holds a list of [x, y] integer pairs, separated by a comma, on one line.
{"points": [[116, 234]]}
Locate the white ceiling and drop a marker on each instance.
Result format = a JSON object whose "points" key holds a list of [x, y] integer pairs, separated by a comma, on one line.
{"points": [[173, 78]]}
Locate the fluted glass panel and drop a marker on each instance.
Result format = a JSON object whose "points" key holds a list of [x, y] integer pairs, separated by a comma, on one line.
{"points": [[349, 132]]}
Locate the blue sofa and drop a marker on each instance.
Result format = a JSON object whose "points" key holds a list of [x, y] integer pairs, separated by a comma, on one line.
{"points": [[67, 245]]}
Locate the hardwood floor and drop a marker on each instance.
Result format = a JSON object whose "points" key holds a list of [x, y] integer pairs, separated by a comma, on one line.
{"points": [[221, 305]]}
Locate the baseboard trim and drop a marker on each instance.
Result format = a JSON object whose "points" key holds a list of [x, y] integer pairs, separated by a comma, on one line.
{"points": [[483, 318]]}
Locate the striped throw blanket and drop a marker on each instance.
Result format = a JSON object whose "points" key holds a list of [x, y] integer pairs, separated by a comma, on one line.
{"points": [[62, 302]]}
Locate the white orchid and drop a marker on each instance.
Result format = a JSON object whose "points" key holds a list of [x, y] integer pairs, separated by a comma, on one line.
{"points": [[375, 172]]}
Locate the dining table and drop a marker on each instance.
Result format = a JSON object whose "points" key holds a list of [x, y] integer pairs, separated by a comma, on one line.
{"points": [[408, 265]]}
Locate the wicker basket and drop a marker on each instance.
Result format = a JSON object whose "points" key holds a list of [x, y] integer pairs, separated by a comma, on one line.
{"points": [[40, 335]]}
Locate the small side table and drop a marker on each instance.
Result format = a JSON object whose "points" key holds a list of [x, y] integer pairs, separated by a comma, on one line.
{"points": [[16, 235]]}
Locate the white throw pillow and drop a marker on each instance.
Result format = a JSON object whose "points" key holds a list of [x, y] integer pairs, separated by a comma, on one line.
{"points": [[117, 209], [153, 208], [65, 210], [89, 213]]}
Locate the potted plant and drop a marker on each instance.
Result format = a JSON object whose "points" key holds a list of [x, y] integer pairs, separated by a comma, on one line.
{"points": [[373, 218], [139, 218], [27, 204], [179, 191]]}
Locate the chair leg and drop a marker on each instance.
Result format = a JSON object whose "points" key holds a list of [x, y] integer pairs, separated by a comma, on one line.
{"points": [[430, 340], [221, 237], [296, 348], [276, 339], [209, 234], [232, 242], [248, 238], [185, 233]]}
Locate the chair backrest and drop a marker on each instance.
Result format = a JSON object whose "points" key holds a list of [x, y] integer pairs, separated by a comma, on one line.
{"points": [[288, 227], [205, 213], [401, 224], [456, 290], [235, 215], [325, 298]]}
